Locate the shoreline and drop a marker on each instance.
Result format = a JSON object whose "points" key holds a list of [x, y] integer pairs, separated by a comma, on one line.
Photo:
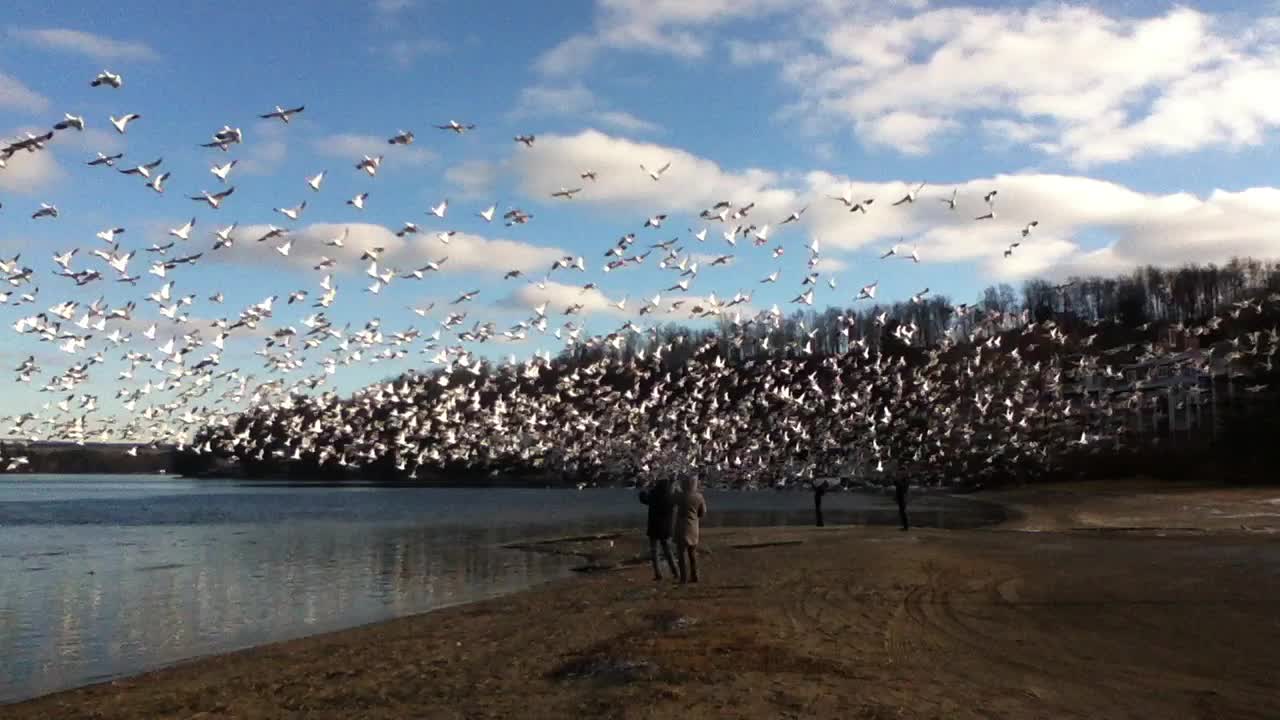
{"points": [[570, 642]]}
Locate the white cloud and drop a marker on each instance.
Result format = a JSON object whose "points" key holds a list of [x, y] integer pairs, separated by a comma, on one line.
{"points": [[465, 252], [1068, 80], [1135, 227], [16, 96], [263, 158], [97, 47], [405, 52], [1088, 86], [575, 99], [86, 143], [830, 265], [352, 146], [626, 122], [908, 132], [264, 151], [546, 99], [391, 7], [663, 26], [473, 178], [755, 53], [559, 297], [29, 172], [691, 184]]}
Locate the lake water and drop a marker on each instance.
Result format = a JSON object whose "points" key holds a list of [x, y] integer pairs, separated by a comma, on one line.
{"points": [[106, 576]]}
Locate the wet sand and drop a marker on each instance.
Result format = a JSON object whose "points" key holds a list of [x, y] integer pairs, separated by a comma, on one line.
{"points": [[1100, 601]]}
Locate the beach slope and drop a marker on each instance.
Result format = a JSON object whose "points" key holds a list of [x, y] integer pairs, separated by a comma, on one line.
{"points": [[1062, 622]]}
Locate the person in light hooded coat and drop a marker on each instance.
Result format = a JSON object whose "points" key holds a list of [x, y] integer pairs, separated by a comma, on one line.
{"points": [[690, 507]]}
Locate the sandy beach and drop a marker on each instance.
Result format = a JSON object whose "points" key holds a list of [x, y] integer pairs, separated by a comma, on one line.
{"points": [[1101, 600]]}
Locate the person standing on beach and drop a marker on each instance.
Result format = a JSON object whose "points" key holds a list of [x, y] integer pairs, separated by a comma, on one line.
{"points": [[900, 495], [690, 507], [658, 497]]}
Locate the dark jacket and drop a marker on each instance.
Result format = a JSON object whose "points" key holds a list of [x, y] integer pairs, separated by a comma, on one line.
{"points": [[659, 499]]}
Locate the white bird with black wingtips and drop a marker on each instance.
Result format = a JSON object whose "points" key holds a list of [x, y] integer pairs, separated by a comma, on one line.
{"points": [[122, 123]]}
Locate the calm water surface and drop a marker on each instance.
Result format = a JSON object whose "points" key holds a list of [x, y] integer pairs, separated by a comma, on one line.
{"points": [[103, 576]]}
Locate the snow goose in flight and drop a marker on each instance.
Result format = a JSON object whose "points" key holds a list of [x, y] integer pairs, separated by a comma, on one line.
{"points": [[108, 160], [184, 232], [861, 206], [284, 114], [223, 236], [794, 216], [440, 210], [465, 297], [225, 138], [109, 235], [566, 193], [516, 216], [408, 229], [294, 212], [143, 170], [1026, 230], [370, 164], [846, 197], [951, 201], [402, 137], [656, 175], [868, 292], [910, 197], [457, 127], [991, 207], [314, 181], [214, 199], [805, 298], [107, 77], [655, 221], [272, 232], [222, 171], [357, 202], [487, 214], [338, 241], [69, 121], [121, 123], [46, 210], [587, 175], [526, 140]]}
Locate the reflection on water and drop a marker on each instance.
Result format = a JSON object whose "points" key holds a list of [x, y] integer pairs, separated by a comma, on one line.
{"points": [[108, 576]]}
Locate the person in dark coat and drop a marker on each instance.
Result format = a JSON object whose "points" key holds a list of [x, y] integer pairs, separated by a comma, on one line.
{"points": [[659, 498], [900, 495], [690, 507]]}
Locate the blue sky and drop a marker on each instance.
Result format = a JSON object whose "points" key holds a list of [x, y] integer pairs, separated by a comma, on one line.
{"points": [[1133, 133]]}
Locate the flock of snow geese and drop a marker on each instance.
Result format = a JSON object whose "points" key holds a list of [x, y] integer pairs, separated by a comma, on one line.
{"points": [[754, 405]]}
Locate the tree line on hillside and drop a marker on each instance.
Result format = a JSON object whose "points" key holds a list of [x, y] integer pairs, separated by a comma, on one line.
{"points": [[1129, 316]]}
